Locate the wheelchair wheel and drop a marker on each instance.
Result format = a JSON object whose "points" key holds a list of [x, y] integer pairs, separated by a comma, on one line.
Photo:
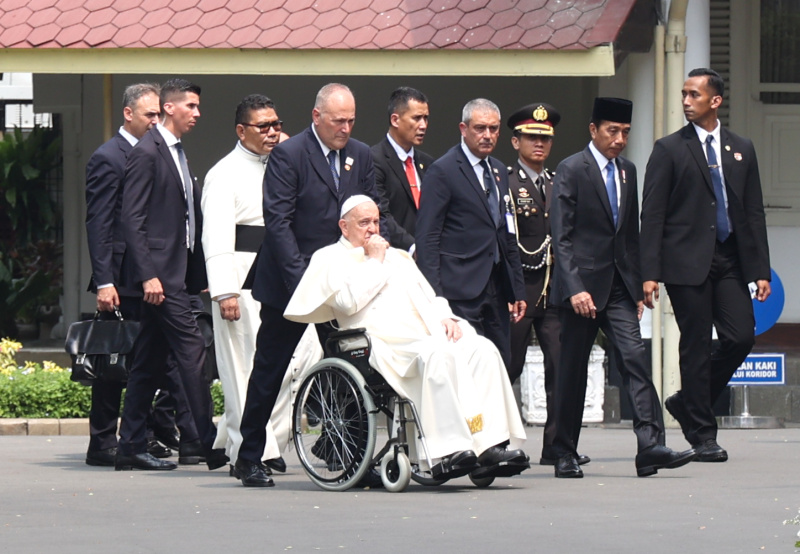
{"points": [[395, 471], [482, 482], [334, 425]]}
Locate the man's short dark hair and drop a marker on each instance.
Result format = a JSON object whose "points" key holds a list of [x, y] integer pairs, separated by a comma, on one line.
{"points": [[132, 93], [398, 101], [251, 103], [715, 82], [177, 87]]}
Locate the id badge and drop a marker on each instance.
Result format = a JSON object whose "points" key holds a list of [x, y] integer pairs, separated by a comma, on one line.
{"points": [[510, 223]]}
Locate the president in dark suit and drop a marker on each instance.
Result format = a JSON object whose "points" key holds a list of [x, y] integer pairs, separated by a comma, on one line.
{"points": [[105, 174], [400, 165], [531, 189], [595, 224], [307, 179], [704, 235], [162, 225], [466, 243]]}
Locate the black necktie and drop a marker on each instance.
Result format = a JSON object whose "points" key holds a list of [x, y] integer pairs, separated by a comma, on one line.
{"points": [[491, 192], [540, 186], [188, 191], [723, 230], [332, 160]]}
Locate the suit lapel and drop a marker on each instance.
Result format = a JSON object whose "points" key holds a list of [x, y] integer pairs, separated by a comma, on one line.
{"points": [[345, 169], [623, 192], [594, 175], [166, 155], [469, 173], [697, 154], [727, 156], [397, 168], [319, 162]]}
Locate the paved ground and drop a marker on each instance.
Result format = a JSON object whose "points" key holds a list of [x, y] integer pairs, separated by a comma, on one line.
{"points": [[51, 502]]}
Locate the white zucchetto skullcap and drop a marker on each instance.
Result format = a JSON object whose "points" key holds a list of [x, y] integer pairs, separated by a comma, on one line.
{"points": [[353, 201]]}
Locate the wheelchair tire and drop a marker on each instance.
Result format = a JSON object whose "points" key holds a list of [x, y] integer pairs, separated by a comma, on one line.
{"points": [[334, 425], [395, 471]]}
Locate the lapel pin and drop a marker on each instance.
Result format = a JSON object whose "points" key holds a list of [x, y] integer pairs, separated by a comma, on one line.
{"points": [[522, 175], [421, 166], [495, 169], [728, 147], [624, 177], [348, 163], [737, 156]]}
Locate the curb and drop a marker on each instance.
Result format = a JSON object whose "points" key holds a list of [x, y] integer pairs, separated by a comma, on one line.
{"points": [[44, 427]]}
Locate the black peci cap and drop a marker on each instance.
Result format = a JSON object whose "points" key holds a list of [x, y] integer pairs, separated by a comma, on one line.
{"points": [[617, 110]]}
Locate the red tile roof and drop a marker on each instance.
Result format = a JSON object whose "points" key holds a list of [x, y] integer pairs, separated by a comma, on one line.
{"points": [[312, 24]]}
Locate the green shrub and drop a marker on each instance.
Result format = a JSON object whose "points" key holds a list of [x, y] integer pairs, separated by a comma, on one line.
{"points": [[46, 391]]}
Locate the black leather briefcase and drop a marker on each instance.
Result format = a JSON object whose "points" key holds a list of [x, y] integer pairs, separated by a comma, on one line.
{"points": [[101, 348]]}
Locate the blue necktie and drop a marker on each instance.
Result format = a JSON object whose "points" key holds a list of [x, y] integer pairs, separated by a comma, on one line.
{"points": [[611, 190], [332, 160], [188, 191], [723, 229]]}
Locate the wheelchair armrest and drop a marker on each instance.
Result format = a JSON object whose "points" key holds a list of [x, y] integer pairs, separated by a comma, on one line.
{"points": [[347, 333]]}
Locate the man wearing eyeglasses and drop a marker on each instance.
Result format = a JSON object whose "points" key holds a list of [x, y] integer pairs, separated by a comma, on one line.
{"points": [[233, 230]]}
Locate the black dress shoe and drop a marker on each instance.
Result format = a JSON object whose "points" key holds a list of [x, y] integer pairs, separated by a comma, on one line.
{"points": [[455, 465], [142, 461], [168, 437], [582, 460], [252, 474], [157, 449], [567, 468], [278, 464], [497, 461], [677, 409], [104, 458], [191, 453], [649, 461], [710, 451], [216, 459], [371, 479]]}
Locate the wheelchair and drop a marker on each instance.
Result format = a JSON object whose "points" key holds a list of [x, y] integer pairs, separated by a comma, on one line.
{"points": [[335, 423]]}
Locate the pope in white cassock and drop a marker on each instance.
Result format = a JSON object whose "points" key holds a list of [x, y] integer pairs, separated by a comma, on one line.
{"points": [[233, 227], [455, 377]]}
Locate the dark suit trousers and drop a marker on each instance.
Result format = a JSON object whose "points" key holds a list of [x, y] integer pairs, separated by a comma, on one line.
{"points": [[723, 301], [548, 333], [488, 314], [170, 407], [619, 322], [169, 327], [276, 342]]}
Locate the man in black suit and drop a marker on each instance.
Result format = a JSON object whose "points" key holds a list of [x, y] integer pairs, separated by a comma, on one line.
{"points": [[704, 235], [307, 179], [595, 216], [105, 173], [531, 190], [466, 242], [162, 225], [400, 166]]}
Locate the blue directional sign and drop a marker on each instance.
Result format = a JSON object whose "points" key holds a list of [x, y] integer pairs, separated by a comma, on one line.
{"points": [[768, 312], [760, 369]]}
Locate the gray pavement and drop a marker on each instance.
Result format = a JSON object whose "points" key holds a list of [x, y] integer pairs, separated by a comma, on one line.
{"points": [[50, 501]]}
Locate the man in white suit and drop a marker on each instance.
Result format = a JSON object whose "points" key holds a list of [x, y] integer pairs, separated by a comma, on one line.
{"points": [[233, 230], [456, 378]]}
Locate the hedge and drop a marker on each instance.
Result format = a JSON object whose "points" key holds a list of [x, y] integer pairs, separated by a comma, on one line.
{"points": [[45, 390]]}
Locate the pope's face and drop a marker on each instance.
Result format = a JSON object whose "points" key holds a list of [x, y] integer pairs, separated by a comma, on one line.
{"points": [[360, 223]]}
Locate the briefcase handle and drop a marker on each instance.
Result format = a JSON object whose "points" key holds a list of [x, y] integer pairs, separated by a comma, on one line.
{"points": [[116, 313]]}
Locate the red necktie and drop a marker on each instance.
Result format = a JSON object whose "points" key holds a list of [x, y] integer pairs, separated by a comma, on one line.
{"points": [[412, 180]]}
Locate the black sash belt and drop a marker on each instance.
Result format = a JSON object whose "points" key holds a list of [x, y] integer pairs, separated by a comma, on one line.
{"points": [[249, 237]]}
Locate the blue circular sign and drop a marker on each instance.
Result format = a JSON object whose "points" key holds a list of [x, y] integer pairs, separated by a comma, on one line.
{"points": [[768, 312]]}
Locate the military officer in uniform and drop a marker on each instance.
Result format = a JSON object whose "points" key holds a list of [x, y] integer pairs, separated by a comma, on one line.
{"points": [[530, 186]]}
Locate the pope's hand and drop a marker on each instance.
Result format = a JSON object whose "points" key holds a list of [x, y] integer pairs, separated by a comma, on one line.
{"points": [[375, 247]]}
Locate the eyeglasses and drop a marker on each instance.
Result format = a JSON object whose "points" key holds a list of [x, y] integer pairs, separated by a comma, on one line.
{"points": [[263, 128]]}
